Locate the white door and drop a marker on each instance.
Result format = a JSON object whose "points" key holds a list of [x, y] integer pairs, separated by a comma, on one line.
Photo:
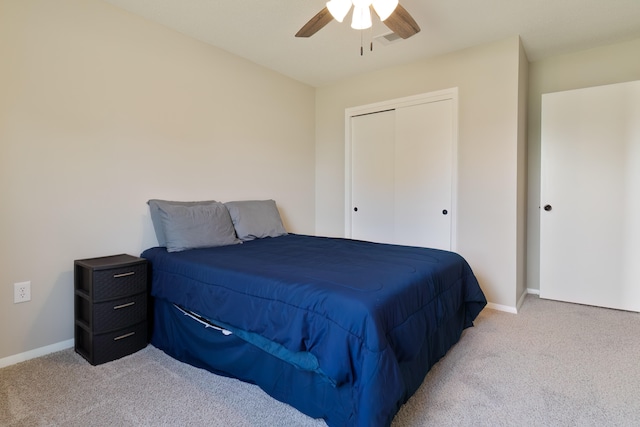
{"points": [[423, 172], [401, 175], [372, 177], [590, 196]]}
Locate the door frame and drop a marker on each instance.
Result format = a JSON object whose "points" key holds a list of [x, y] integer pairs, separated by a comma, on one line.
{"points": [[392, 104]]}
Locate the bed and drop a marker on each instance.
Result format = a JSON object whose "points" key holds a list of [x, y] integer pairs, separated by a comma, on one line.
{"points": [[340, 329]]}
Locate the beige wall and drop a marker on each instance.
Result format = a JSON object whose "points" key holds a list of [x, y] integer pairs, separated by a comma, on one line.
{"points": [[100, 111], [615, 63], [489, 146]]}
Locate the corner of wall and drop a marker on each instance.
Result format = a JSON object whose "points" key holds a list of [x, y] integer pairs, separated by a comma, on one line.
{"points": [[522, 174]]}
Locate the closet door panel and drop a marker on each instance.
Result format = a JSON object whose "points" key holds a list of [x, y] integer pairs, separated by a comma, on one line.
{"points": [[423, 174], [372, 177]]}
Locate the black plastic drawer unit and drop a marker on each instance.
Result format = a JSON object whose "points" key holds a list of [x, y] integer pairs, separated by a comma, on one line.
{"points": [[110, 307]]}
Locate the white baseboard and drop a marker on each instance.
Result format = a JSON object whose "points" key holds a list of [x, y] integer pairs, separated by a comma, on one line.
{"points": [[515, 309], [501, 307], [521, 301], [32, 354]]}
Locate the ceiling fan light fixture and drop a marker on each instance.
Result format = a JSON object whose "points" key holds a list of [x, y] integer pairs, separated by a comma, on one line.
{"points": [[339, 9], [361, 18], [384, 8], [394, 16]]}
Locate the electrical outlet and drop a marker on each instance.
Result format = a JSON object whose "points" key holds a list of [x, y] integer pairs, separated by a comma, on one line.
{"points": [[21, 292]]}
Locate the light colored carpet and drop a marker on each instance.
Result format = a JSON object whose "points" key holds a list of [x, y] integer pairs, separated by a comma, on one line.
{"points": [[553, 364]]}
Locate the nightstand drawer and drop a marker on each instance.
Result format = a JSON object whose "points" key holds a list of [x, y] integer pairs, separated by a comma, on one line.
{"points": [[114, 314], [112, 283], [102, 348]]}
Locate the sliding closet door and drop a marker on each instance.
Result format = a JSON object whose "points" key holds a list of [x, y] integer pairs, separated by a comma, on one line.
{"points": [[590, 196], [423, 171], [401, 175], [372, 177]]}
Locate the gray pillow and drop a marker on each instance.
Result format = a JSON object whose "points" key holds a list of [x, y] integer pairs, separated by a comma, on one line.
{"points": [[196, 226], [154, 210], [255, 219]]}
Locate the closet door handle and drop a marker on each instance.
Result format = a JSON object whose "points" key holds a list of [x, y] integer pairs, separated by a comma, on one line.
{"points": [[547, 208], [355, 209], [444, 212]]}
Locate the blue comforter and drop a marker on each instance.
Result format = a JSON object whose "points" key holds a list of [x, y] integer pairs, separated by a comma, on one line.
{"points": [[363, 313]]}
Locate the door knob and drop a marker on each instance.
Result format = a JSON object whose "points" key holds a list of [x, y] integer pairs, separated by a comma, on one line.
{"points": [[444, 212], [355, 209], [547, 208]]}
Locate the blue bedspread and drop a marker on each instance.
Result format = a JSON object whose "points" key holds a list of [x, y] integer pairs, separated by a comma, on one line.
{"points": [[369, 315]]}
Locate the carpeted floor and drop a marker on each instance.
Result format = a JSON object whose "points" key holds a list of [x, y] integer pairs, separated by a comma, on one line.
{"points": [[553, 364]]}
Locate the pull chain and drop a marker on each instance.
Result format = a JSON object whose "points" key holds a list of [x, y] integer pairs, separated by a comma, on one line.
{"points": [[362, 42], [371, 39]]}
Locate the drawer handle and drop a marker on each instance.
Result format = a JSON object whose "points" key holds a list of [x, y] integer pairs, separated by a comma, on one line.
{"points": [[124, 336], [131, 273], [129, 304]]}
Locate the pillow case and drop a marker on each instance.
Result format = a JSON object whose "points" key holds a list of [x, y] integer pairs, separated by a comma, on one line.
{"points": [[196, 226], [154, 210], [255, 219]]}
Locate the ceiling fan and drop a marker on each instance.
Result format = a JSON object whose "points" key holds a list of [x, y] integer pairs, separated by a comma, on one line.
{"points": [[392, 14]]}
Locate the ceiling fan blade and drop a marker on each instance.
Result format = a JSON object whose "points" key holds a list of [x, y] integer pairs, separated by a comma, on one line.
{"points": [[402, 23], [315, 24]]}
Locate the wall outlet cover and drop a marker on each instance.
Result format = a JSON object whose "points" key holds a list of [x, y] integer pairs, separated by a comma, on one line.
{"points": [[21, 292]]}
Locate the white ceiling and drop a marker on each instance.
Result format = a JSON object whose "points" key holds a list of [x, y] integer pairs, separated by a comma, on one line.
{"points": [[263, 30]]}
